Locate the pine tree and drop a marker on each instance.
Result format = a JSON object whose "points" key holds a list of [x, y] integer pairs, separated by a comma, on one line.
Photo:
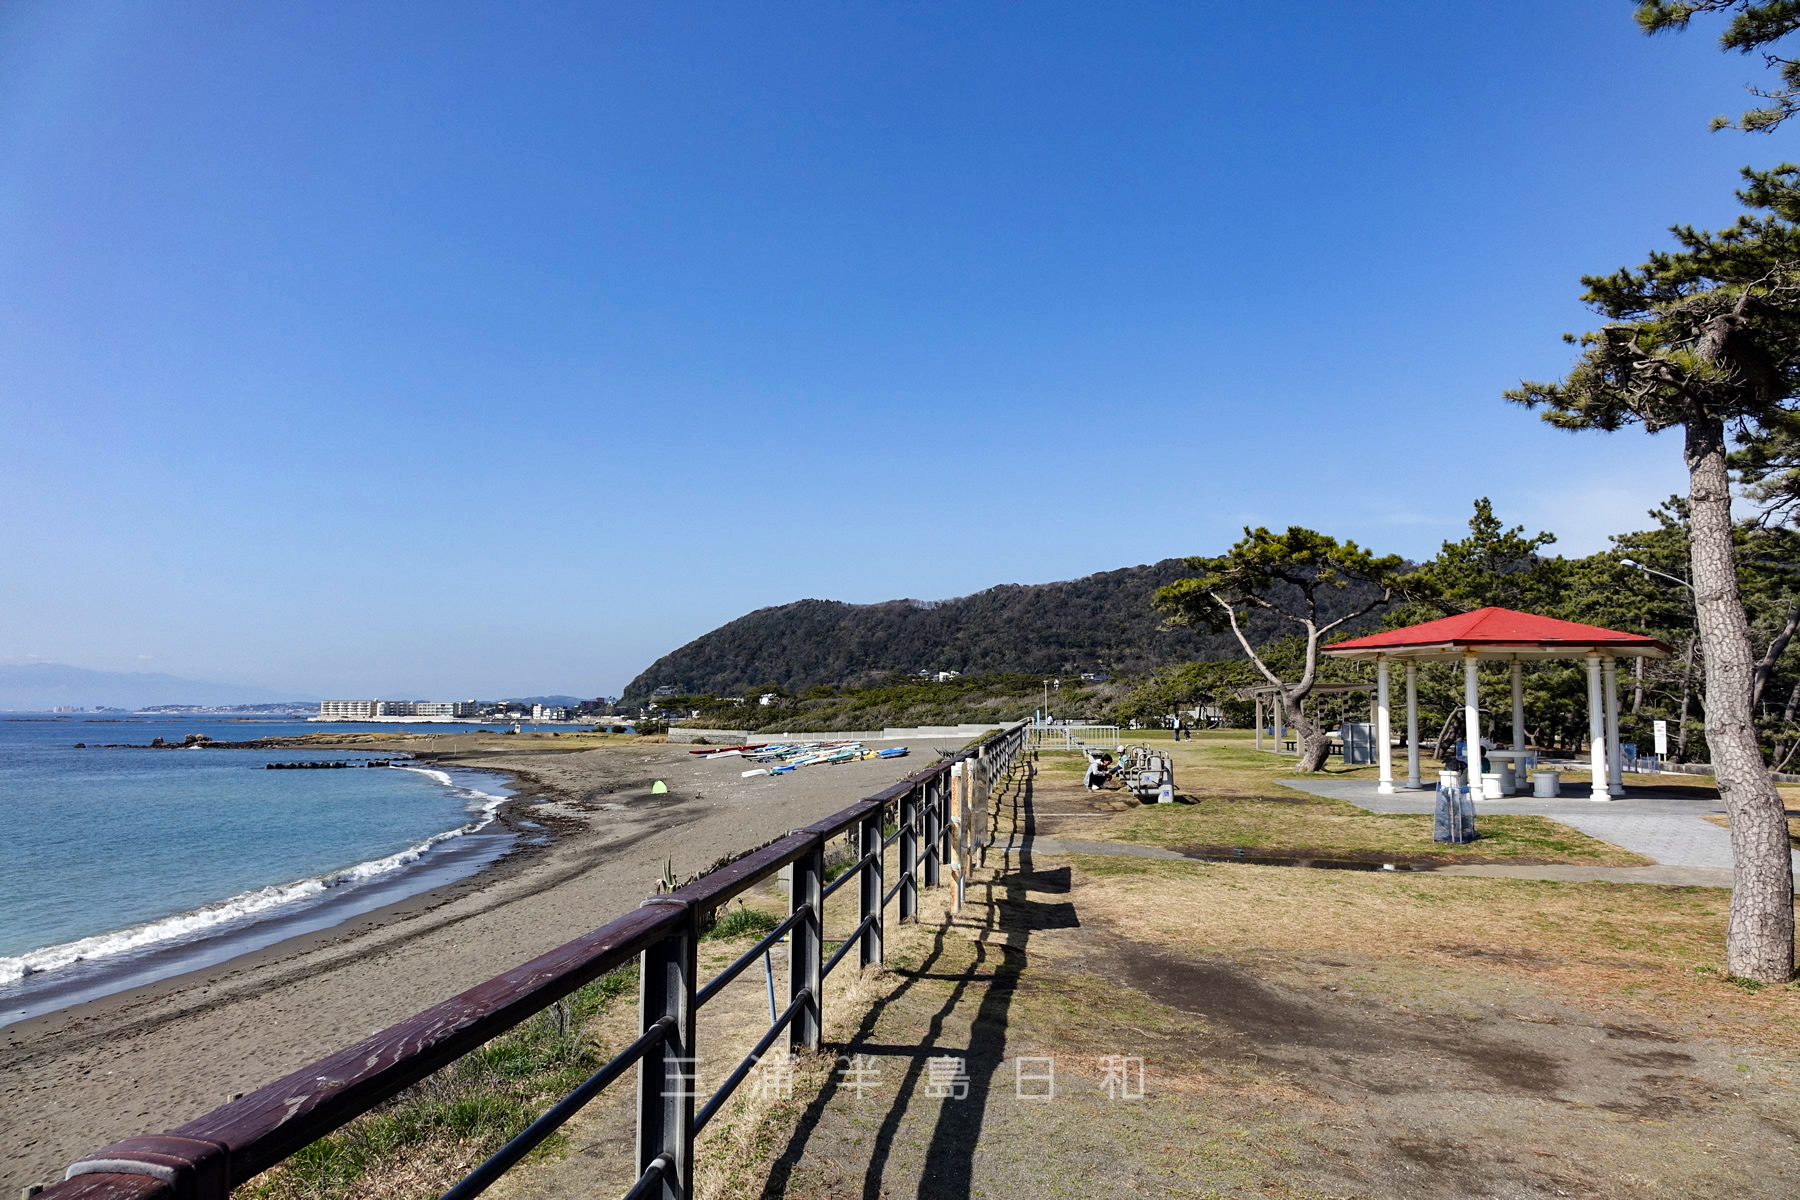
{"points": [[1704, 338], [1291, 576], [1756, 25]]}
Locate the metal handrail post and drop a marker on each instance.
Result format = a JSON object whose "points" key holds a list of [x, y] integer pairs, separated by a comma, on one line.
{"points": [[873, 949], [806, 945], [909, 855], [934, 817], [947, 794], [668, 1072], [965, 834]]}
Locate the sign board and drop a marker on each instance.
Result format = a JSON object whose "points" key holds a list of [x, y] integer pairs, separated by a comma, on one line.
{"points": [[1662, 739]]}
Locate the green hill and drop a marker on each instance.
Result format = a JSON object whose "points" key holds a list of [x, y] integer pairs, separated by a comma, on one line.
{"points": [[1101, 623]]}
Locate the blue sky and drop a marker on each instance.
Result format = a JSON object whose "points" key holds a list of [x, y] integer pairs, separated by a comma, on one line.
{"points": [[455, 349]]}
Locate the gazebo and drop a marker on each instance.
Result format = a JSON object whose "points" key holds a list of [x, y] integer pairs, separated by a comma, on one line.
{"points": [[1504, 635], [1275, 700]]}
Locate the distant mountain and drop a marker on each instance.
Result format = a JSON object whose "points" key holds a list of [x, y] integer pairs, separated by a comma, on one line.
{"points": [[1102, 622], [548, 701], [37, 687]]}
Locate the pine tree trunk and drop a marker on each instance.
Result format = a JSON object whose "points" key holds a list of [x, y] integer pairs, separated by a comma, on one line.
{"points": [[1314, 747], [1760, 942]]}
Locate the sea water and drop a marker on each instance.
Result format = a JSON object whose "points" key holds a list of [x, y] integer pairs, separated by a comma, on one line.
{"points": [[125, 865]]}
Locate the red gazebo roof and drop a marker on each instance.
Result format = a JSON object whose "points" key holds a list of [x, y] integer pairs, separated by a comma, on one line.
{"points": [[1498, 633]]}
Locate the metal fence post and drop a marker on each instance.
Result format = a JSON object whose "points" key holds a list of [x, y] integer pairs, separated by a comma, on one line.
{"points": [[946, 806], [909, 855], [872, 950], [806, 946], [932, 854], [669, 1071]]}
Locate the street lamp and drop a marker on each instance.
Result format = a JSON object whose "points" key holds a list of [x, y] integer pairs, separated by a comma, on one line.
{"points": [[1653, 571]]}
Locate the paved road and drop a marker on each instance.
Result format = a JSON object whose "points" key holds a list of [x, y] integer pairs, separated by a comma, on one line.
{"points": [[1667, 825]]}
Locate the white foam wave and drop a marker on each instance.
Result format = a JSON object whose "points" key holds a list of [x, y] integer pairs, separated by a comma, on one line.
{"points": [[248, 906]]}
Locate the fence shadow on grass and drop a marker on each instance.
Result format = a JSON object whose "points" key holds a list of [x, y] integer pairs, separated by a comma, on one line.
{"points": [[1003, 928]]}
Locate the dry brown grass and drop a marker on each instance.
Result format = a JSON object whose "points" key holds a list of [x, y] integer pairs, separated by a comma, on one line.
{"points": [[1793, 823], [1654, 951]]}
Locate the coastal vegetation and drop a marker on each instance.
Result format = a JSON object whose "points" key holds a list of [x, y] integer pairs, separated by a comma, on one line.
{"points": [[1637, 584], [1705, 338], [1101, 623], [903, 702], [1293, 577]]}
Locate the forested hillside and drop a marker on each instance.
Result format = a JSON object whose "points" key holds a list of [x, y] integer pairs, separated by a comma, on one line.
{"points": [[1102, 622]]}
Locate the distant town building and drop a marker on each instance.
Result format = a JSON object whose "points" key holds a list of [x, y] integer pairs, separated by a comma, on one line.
{"points": [[665, 691], [767, 698], [466, 708], [348, 710], [540, 712], [947, 676], [375, 710], [1094, 677]]}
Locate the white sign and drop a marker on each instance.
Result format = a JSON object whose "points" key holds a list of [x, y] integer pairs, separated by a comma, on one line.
{"points": [[1662, 739]]}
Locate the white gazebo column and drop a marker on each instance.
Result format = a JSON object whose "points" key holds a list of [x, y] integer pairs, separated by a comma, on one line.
{"points": [[1615, 764], [1383, 728], [1596, 731], [1280, 721], [1259, 724], [1520, 780], [1472, 722], [1518, 698], [1412, 725]]}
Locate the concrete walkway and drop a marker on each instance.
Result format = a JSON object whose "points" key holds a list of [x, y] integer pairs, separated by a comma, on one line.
{"points": [[1667, 876], [1667, 825]]}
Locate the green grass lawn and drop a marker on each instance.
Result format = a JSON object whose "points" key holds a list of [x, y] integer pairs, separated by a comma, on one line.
{"points": [[1236, 800]]}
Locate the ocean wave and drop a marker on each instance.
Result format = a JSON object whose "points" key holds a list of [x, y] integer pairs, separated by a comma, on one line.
{"points": [[247, 907]]}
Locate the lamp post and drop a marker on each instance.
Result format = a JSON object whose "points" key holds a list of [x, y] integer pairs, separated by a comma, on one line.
{"points": [[1653, 571]]}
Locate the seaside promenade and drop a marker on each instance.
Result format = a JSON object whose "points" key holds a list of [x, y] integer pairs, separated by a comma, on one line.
{"points": [[1109, 1013], [159, 1055]]}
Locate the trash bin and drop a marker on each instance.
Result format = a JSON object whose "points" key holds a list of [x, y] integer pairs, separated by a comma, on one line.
{"points": [[1509, 780], [1450, 779], [1454, 820], [1490, 785], [1546, 784]]}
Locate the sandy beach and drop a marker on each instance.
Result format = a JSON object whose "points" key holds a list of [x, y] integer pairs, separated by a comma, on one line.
{"points": [[149, 1059]]}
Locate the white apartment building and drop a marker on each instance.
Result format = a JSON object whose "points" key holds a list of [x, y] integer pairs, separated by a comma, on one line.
{"points": [[348, 710], [374, 710]]}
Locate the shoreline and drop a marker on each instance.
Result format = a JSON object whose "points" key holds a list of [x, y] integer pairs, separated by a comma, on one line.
{"points": [[444, 858], [160, 1054]]}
